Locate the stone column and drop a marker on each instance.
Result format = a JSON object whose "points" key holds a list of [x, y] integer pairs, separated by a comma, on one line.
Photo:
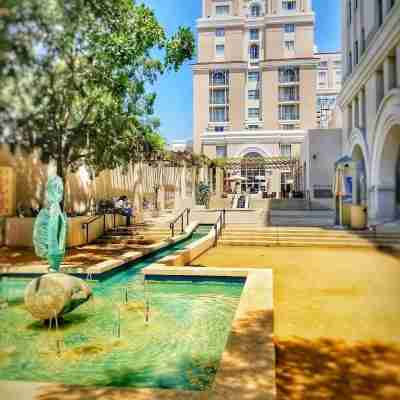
{"points": [[353, 114], [219, 182], [361, 116], [383, 202], [389, 74]]}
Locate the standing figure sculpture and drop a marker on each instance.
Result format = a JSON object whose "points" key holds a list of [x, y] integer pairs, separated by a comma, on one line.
{"points": [[50, 230]]}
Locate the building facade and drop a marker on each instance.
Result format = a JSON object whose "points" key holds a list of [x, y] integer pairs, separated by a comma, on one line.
{"points": [[370, 101], [256, 84], [329, 83]]}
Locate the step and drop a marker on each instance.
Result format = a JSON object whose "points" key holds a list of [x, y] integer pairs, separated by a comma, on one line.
{"points": [[325, 244], [242, 235], [312, 239]]}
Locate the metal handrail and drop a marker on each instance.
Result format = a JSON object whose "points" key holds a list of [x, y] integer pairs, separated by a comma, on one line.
{"points": [[308, 199], [180, 217], [219, 226], [86, 224]]}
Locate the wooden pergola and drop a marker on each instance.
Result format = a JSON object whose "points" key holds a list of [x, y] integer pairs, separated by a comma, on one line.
{"points": [[283, 164]]}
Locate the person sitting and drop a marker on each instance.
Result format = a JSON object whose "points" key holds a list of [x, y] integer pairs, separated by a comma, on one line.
{"points": [[123, 207]]}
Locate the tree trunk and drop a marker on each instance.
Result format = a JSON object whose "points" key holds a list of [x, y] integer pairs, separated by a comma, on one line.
{"points": [[62, 174]]}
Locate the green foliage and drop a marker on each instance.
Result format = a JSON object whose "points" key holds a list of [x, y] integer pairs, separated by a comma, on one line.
{"points": [[203, 194], [74, 79]]}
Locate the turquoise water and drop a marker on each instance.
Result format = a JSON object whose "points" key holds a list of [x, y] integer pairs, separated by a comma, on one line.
{"points": [[107, 341]]}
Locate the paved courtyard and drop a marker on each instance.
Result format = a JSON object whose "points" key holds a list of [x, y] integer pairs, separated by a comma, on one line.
{"points": [[336, 324]]}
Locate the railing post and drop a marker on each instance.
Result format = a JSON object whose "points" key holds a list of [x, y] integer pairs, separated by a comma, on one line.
{"points": [[115, 225], [187, 215], [171, 226], [87, 233], [104, 223], [182, 224]]}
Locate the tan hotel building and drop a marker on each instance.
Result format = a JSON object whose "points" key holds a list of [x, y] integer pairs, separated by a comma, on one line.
{"points": [[257, 79]]}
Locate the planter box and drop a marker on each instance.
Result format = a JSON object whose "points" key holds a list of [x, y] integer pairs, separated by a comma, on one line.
{"points": [[19, 231]]}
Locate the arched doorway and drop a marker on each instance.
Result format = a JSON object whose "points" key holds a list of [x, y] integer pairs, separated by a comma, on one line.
{"points": [[360, 193], [387, 179], [253, 173]]}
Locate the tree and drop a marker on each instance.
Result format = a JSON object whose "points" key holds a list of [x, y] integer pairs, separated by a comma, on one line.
{"points": [[74, 79]]}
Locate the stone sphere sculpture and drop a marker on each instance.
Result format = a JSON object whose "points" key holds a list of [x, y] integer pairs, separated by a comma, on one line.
{"points": [[50, 229], [54, 295]]}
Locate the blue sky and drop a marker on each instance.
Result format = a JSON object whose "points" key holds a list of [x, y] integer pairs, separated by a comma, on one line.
{"points": [[174, 90]]}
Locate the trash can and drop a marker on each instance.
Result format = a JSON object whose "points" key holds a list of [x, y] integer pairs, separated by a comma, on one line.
{"points": [[358, 217]]}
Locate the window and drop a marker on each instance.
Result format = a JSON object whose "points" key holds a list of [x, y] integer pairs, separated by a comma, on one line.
{"points": [[254, 52], [363, 43], [254, 76], [222, 11], [337, 63], [323, 64], [219, 96], [220, 32], [289, 74], [254, 113], [288, 127], [350, 13], [255, 10], [254, 94], [289, 112], [220, 50], [356, 52], [289, 93], [350, 62], [289, 5], [285, 150], [253, 127], [219, 129], [254, 34], [322, 78], [219, 78], [289, 45], [289, 28], [379, 5], [219, 114], [220, 151]]}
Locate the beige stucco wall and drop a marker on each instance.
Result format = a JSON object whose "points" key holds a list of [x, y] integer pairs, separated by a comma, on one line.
{"points": [[308, 82], [270, 99], [81, 190], [200, 107], [237, 99], [234, 42], [304, 40], [274, 42]]}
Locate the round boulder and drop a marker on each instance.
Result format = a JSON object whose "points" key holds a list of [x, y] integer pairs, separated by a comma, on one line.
{"points": [[54, 295]]}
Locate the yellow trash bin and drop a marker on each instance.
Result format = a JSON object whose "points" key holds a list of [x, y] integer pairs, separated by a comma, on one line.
{"points": [[358, 217]]}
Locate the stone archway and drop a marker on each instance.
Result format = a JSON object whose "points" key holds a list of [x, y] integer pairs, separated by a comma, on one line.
{"points": [[384, 174], [386, 170]]}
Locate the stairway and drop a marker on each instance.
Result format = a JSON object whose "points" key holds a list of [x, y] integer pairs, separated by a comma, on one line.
{"points": [[248, 235], [233, 216], [301, 213], [302, 218]]}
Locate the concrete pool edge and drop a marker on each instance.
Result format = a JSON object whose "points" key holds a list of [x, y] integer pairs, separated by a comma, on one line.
{"points": [[247, 366], [104, 268], [248, 360]]}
